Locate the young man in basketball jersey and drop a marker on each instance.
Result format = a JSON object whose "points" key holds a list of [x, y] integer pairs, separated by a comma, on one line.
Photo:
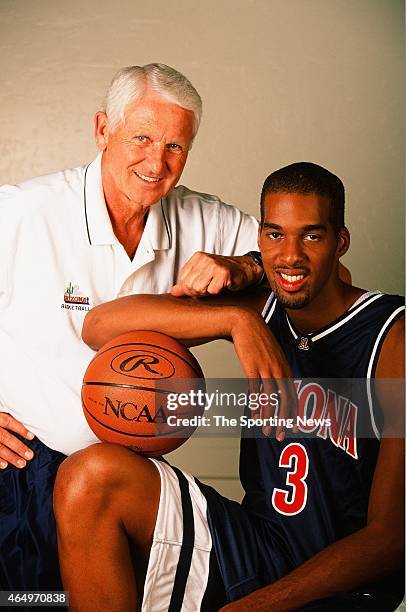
{"points": [[320, 527]]}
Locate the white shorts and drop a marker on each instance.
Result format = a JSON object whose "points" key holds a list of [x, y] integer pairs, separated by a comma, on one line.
{"points": [[179, 563]]}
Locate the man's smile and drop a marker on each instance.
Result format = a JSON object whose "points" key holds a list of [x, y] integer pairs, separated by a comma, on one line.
{"points": [[289, 281], [147, 179], [292, 279]]}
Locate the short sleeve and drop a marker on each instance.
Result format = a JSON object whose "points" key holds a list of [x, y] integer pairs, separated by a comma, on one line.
{"points": [[237, 231]]}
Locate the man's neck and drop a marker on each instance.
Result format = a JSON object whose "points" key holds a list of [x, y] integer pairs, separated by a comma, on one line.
{"points": [[325, 308], [127, 218], [128, 229]]}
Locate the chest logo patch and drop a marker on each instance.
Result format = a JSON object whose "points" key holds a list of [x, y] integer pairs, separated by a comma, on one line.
{"points": [[304, 343], [74, 299]]}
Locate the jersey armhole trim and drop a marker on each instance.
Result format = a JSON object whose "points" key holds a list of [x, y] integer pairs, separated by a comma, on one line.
{"points": [[373, 361], [269, 308]]}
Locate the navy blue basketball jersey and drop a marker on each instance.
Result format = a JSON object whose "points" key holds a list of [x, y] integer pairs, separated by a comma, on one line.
{"points": [[313, 488]]}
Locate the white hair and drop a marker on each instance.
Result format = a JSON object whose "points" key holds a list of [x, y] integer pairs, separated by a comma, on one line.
{"points": [[131, 82]]}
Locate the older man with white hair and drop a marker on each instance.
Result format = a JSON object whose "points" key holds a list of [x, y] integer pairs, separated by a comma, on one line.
{"points": [[75, 239]]}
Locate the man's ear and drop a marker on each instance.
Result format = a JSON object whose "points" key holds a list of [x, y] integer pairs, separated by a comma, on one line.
{"points": [[100, 130], [343, 242]]}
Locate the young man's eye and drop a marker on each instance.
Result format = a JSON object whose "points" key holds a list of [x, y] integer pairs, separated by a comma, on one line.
{"points": [[274, 235], [312, 237]]}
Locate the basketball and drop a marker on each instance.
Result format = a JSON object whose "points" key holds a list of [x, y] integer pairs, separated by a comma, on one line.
{"points": [[130, 391]]}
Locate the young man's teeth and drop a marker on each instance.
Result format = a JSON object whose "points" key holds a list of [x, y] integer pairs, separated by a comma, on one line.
{"points": [[292, 279], [149, 179]]}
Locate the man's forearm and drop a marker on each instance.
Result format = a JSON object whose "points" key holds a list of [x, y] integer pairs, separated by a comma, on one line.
{"points": [[184, 319], [197, 321]]}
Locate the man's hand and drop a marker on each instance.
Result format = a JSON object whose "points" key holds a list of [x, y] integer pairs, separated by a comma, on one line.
{"points": [[263, 361], [12, 450], [206, 274]]}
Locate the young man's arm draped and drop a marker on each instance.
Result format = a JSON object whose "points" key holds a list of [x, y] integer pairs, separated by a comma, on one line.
{"points": [[195, 321], [373, 551]]}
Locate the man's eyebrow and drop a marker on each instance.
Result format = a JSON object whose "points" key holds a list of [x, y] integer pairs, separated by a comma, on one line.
{"points": [[306, 228], [316, 227], [271, 225]]}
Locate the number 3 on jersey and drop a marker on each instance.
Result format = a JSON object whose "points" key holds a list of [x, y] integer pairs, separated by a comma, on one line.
{"points": [[294, 457]]}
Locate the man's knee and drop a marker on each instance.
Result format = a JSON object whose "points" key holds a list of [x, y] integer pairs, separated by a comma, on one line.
{"points": [[106, 485], [88, 479]]}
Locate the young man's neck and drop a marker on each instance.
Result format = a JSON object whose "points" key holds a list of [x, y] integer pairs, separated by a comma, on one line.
{"points": [[326, 307]]}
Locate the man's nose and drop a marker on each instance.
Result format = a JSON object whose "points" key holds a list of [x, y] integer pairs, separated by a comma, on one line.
{"points": [[156, 160], [292, 251]]}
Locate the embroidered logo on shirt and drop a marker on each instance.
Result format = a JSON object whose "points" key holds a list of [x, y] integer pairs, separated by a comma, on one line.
{"points": [[73, 299], [303, 344]]}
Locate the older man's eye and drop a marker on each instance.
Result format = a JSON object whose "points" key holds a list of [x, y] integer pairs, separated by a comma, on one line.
{"points": [[141, 139], [173, 146]]}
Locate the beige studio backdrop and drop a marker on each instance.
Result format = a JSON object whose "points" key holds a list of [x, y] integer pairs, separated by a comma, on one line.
{"points": [[281, 81]]}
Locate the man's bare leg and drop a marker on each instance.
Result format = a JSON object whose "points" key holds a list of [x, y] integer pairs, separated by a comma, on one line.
{"points": [[104, 495]]}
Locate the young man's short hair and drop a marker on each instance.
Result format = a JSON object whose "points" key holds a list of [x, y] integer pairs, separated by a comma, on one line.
{"points": [[306, 178]]}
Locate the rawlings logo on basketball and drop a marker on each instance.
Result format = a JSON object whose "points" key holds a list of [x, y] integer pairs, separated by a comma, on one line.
{"points": [[132, 363], [146, 365]]}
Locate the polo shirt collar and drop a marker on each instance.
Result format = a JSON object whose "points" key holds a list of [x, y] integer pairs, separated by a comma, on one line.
{"points": [[157, 228], [98, 224], [99, 229]]}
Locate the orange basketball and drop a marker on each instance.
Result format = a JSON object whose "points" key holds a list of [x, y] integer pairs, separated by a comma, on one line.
{"points": [[131, 389]]}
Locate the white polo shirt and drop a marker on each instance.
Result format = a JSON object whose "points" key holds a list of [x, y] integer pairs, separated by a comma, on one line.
{"points": [[59, 257]]}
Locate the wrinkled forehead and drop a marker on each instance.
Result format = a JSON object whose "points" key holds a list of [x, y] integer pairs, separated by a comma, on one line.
{"points": [[154, 111]]}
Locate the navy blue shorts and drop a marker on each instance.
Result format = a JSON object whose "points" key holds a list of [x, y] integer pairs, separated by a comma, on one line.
{"points": [[29, 555], [250, 555]]}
